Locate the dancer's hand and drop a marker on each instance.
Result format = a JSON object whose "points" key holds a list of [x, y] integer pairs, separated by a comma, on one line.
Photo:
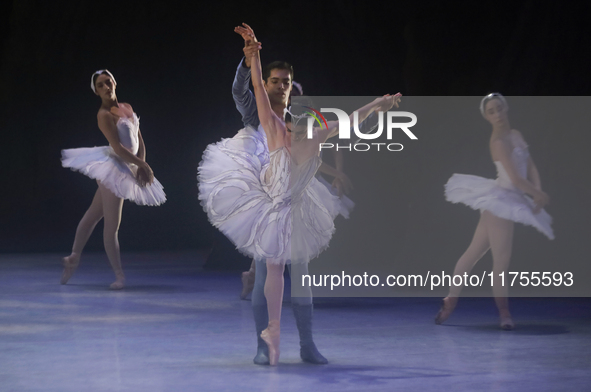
{"points": [[250, 51], [540, 200], [141, 177], [145, 175], [342, 184], [388, 101], [251, 45], [246, 32]]}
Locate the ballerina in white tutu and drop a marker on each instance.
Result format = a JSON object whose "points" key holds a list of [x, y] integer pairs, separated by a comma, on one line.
{"points": [[270, 204], [121, 172], [501, 203], [246, 105]]}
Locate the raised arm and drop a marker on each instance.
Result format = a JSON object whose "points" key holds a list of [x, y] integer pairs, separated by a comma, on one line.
{"points": [[243, 97], [267, 118], [501, 151]]}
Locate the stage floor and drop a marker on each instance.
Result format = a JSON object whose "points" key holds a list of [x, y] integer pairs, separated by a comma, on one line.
{"points": [[178, 328]]}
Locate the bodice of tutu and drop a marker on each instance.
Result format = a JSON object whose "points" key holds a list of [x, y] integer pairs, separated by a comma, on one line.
{"points": [[519, 156], [128, 130], [283, 179]]}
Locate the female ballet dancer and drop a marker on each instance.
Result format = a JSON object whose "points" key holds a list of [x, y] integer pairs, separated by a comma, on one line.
{"points": [[278, 77], [120, 170], [246, 105], [275, 209], [501, 202]]}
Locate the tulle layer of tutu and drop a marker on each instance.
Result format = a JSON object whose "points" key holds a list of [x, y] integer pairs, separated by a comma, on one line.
{"points": [[345, 204], [485, 194], [232, 195], [103, 164]]}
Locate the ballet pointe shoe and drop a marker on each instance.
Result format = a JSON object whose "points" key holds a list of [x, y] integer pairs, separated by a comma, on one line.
{"points": [[247, 284], [70, 264], [271, 336], [448, 304], [507, 324], [119, 283]]}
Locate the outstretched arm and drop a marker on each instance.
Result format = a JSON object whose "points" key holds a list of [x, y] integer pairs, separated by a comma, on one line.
{"points": [[384, 103]]}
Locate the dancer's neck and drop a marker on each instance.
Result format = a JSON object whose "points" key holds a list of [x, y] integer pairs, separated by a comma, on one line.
{"points": [[109, 103], [279, 109], [501, 129]]}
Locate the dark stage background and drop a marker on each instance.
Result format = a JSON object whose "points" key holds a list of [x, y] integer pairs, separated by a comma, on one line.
{"points": [[175, 63]]}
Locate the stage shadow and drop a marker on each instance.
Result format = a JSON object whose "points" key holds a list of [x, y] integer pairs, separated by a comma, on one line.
{"points": [[362, 376], [140, 288], [520, 329]]}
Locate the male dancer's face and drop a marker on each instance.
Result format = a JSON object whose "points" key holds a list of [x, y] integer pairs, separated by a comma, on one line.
{"points": [[278, 86]]}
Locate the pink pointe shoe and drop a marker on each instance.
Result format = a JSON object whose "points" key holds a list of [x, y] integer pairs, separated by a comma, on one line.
{"points": [[448, 304], [507, 324], [271, 336], [70, 264], [119, 283]]}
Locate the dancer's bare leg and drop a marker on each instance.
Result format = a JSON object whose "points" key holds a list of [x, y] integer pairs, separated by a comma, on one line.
{"points": [[112, 206], [248, 280], [274, 295], [85, 228], [500, 233], [477, 248]]}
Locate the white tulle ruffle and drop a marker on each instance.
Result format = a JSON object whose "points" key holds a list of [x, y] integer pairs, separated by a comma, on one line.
{"points": [[256, 213], [345, 204], [485, 194], [103, 164]]}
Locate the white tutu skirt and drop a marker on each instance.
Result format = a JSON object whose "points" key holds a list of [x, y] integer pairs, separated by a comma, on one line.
{"points": [[345, 204], [103, 164], [261, 226], [486, 195]]}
